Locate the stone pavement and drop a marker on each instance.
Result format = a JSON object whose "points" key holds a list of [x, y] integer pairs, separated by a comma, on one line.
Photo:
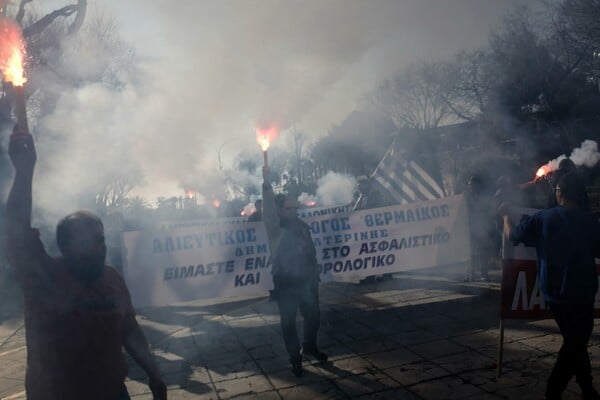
{"points": [[422, 335]]}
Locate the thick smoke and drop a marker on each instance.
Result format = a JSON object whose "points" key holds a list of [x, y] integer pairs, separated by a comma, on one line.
{"points": [[214, 71], [335, 189], [587, 155]]}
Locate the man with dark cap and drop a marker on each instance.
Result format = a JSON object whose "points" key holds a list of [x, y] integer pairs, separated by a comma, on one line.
{"points": [[567, 240], [368, 198], [295, 273], [565, 166], [257, 214], [78, 311]]}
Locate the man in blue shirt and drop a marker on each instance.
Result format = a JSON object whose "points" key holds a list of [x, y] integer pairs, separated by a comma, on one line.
{"points": [[567, 240]]}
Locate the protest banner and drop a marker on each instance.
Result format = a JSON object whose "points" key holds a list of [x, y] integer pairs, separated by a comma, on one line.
{"points": [[166, 266], [177, 224], [320, 211]]}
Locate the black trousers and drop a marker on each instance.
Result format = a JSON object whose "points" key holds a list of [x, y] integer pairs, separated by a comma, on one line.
{"points": [[575, 322], [290, 298]]}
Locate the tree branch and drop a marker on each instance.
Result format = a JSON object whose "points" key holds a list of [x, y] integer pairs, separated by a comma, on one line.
{"points": [[41, 24], [455, 110], [21, 12], [79, 18]]}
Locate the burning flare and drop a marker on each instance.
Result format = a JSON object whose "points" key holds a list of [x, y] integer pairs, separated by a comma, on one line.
{"points": [[264, 136], [541, 171], [12, 52]]}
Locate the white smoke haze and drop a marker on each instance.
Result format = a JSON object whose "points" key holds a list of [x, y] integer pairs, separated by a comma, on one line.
{"points": [[335, 189], [586, 155], [206, 72]]}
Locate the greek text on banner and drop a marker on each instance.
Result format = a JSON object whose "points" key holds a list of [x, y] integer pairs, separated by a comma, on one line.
{"points": [[170, 265]]}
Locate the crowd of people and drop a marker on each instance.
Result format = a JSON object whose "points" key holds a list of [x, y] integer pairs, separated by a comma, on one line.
{"points": [[79, 315]]}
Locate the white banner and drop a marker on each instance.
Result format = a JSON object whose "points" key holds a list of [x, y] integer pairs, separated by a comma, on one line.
{"points": [[172, 265], [192, 223]]}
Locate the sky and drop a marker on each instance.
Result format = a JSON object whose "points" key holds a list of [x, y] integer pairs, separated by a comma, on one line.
{"points": [[211, 71]]}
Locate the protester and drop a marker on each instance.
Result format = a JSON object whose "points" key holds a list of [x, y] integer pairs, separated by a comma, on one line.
{"points": [[567, 240], [368, 198], [481, 230], [78, 311], [295, 273], [257, 214]]}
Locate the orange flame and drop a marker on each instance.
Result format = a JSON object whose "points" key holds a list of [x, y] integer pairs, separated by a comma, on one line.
{"points": [[216, 203], [264, 136], [12, 52], [541, 172], [189, 193]]}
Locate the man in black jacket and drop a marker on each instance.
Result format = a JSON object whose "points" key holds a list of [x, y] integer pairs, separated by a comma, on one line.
{"points": [[295, 273]]}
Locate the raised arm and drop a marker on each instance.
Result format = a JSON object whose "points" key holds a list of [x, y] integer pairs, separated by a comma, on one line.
{"points": [[21, 150], [270, 213], [26, 253]]}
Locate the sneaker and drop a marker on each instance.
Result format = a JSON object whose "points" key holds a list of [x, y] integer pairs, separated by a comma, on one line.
{"points": [[297, 368], [316, 353], [272, 295]]}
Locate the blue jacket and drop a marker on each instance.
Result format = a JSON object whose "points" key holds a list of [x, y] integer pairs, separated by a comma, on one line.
{"points": [[567, 241]]}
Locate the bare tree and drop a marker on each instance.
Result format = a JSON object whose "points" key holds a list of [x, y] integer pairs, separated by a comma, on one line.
{"points": [[575, 27], [114, 192], [582, 18], [297, 141], [466, 84], [413, 98]]}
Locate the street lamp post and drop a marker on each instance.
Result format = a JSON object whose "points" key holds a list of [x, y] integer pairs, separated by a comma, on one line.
{"points": [[221, 148]]}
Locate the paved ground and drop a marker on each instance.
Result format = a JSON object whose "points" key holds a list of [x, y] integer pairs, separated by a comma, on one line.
{"points": [[423, 335]]}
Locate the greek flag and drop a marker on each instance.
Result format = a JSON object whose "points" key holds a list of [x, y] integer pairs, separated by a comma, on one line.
{"points": [[404, 179]]}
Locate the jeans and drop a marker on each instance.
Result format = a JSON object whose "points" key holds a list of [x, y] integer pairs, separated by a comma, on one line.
{"points": [[575, 322], [303, 296]]}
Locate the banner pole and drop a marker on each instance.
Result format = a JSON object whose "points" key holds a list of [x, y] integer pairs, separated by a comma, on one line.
{"points": [[500, 349]]}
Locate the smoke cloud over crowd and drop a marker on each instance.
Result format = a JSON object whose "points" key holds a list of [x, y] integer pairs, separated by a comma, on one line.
{"points": [[193, 92], [586, 155]]}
